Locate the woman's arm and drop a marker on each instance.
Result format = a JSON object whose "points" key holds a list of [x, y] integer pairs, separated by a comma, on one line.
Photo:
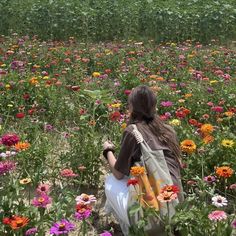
{"points": [[112, 161]]}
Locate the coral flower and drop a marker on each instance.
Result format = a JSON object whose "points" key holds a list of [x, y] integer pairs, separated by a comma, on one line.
{"points": [[208, 139], [188, 146], [18, 222], [137, 170], [68, 173], [41, 201], [166, 196], [43, 188], [227, 143], [22, 146], [115, 116], [217, 216], [206, 129], [224, 171], [170, 188]]}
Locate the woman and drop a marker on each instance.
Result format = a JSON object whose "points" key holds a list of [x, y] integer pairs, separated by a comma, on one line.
{"points": [[142, 106]]}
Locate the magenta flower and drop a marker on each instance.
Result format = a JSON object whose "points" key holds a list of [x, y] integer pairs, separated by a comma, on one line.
{"points": [[62, 227], [233, 224], [217, 216], [83, 215], [6, 166], [10, 139], [41, 201], [105, 233], [31, 231], [166, 103], [209, 179], [217, 109]]}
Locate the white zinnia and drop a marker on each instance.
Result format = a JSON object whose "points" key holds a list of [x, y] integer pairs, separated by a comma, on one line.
{"points": [[219, 201]]}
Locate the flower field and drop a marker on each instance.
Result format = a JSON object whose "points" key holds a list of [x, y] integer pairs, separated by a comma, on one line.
{"points": [[60, 100]]}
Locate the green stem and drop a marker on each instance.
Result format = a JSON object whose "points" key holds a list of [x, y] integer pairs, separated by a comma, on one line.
{"points": [[84, 227]]}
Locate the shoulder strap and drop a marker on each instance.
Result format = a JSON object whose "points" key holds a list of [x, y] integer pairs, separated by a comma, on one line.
{"points": [[138, 136]]}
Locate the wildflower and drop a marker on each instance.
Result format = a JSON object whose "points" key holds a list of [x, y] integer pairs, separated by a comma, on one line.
{"points": [[18, 222], [68, 173], [20, 115], [10, 139], [219, 201], [43, 188], [193, 122], [127, 92], [85, 199], [209, 179], [62, 227], [233, 224], [188, 146], [31, 231], [208, 139], [105, 233], [22, 146], [217, 216], [227, 143], [206, 129], [166, 103], [83, 211], [25, 181], [82, 168], [166, 196], [115, 116], [123, 126], [41, 201], [232, 186], [175, 122], [137, 170], [96, 74], [217, 109], [132, 181], [170, 188], [6, 166], [224, 171]]}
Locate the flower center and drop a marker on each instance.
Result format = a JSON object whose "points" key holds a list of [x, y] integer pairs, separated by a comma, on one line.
{"points": [[19, 223], [43, 188], [219, 200], [41, 199], [62, 227]]}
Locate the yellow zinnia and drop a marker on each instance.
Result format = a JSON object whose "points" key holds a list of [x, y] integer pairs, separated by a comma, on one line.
{"points": [[188, 146], [175, 122], [25, 181], [227, 143]]}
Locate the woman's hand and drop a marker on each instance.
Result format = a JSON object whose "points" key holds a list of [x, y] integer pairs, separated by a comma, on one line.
{"points": [[108, 145]]}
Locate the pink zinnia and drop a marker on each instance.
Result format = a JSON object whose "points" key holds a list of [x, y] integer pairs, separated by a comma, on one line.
{"points": [[217, 216], [68, 173], [10, 139], [166, 103], [85, 199], [41, 201], [217, 109], [6, 166], [83, 215], [232, 186], [43, 188], [127, 92]]}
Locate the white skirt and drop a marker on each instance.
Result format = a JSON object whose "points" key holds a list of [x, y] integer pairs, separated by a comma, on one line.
{"points": [[117, 195]]}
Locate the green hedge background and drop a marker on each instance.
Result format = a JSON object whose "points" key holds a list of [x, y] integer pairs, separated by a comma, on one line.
{"points": [[96, 20]]}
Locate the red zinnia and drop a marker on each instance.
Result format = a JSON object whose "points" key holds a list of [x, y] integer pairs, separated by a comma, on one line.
{"points": [[20, 115], [170, 188], [115, 116], [132, 181]]}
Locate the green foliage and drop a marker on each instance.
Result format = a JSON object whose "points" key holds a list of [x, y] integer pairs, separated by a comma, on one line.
{"points": [[165, 20]]}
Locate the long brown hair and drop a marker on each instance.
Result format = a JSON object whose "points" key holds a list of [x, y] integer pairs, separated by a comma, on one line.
{"points": [[142, 102]]}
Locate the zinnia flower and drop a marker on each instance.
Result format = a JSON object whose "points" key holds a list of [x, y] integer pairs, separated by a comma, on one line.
{"points": [[166, 103], [208, 139], [224, 171], [43, 188], [6, 166], [96, 74], [217, 109], [233, 224], [232, 186], [105, 233], [170, 188], [227, 143], [68, 173], [10, 139], [217, 216], [62, 227], [219, 201], [85, 199], [206, 129], [22, 146], [25, 181], [18, 222], [209, 179], [82, 211], [137, 170], [188, 146], [166, 196], [41, 201], [175, 122], [132, 181], [31, 231], [115, 116]]}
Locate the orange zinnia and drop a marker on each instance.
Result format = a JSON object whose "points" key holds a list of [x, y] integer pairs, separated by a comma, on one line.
{"points": [[18, 222], [188, 146], [206, 129], [22, 146], [224, 171], [137, 170], [208, 139]]}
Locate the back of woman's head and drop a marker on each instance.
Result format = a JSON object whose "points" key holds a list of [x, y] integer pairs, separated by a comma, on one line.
{"points": [[142, 102]]}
